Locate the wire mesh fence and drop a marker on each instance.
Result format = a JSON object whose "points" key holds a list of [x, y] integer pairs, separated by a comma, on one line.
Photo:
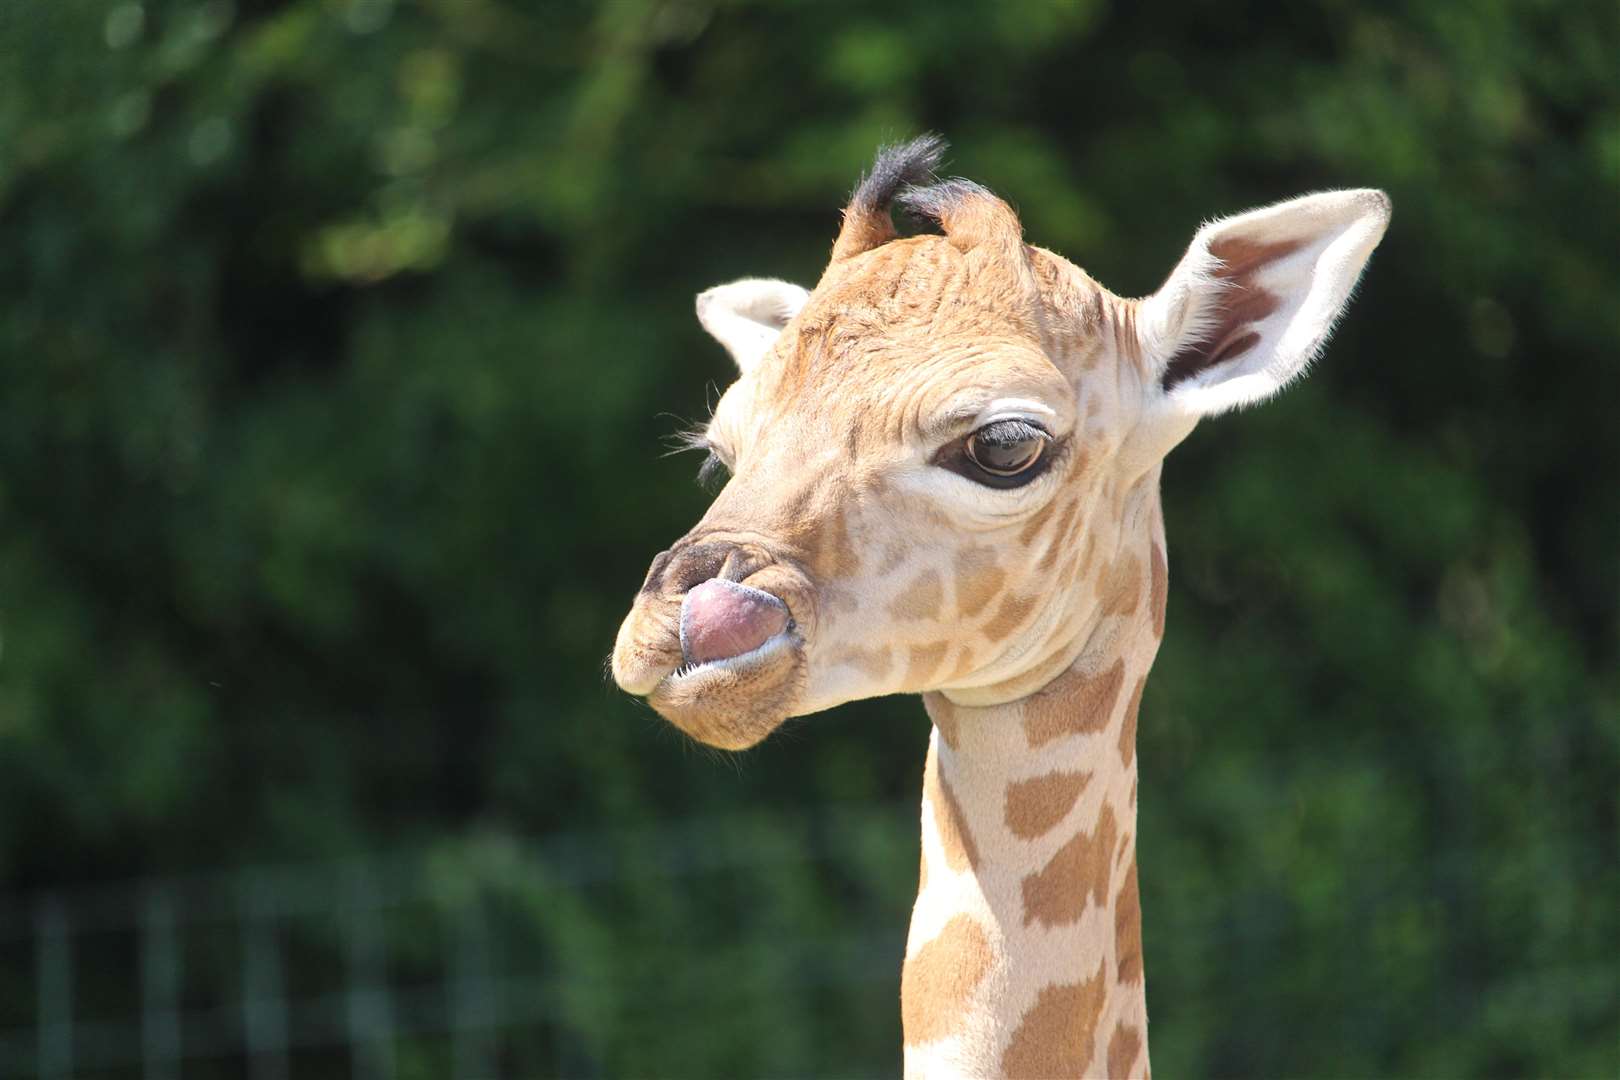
{"points": [[760, 944], [486, 958]]}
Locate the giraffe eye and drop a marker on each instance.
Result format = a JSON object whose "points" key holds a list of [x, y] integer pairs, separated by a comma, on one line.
{"points": [[1006, 447], [714, 471], [1003, 454]]}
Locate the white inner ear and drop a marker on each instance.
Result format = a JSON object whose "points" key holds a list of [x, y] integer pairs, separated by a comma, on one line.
{"points": [[747, 316], [1254, 299]]}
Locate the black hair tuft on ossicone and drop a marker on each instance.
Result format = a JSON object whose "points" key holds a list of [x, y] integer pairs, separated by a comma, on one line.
{"points": [[896, 167]]}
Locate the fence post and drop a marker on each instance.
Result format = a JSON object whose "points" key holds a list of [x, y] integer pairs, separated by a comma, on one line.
{"points": [[264, 1005], [475, 1007], [160, 985], [371, 1033], [54, 969]]}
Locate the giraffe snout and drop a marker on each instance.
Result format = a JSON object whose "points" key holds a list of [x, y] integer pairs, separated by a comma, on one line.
{"points": [[721, 619]]}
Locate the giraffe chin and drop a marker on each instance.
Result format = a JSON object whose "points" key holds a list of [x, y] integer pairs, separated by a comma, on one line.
{"points": [[736, 702]]}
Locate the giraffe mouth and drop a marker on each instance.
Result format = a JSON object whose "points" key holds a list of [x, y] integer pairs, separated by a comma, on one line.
{"points": [[762, 655], [735, 702]]}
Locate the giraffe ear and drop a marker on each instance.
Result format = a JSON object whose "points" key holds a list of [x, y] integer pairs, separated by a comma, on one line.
{"points": [[746, 316], [1254, 299]]}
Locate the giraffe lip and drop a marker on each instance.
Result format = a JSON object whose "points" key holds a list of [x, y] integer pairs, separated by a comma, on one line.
{"points": [[691, 674]]}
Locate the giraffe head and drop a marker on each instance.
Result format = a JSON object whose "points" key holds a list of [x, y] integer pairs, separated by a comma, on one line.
{"points": [[936, 454]]}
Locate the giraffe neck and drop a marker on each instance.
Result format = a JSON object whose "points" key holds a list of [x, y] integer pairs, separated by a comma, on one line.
{"points": [[1024, 956]]}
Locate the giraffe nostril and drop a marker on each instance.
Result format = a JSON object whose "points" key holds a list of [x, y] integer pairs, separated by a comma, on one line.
{"points": [[721, 619]]}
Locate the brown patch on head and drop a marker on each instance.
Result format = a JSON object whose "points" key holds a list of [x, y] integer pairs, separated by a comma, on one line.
{"points": [[1060, 536], [925, 660], [1123, 1046], [1128, 928], [1071, 704], [846, 562], [1009, 617], [1089, 555], [1158, 588], [1054, 1039], [919, 600], [1056, 894], [1127, 727], [894, 554], [978, 579], [875, 662], [1121, 586], [938, 980], [1066, 522], [954, 836], [1035, 806], [1032, 528]]}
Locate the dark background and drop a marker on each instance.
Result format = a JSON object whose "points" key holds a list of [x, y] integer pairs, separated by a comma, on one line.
{"points": [[339, 344]]}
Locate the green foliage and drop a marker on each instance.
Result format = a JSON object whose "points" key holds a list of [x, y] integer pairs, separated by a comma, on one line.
{"points": [[341, 338]]}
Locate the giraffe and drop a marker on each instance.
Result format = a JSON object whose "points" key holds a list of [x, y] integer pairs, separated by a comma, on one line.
{"points": [[944, 480]]}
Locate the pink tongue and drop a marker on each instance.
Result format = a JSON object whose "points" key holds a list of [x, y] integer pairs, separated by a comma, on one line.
{"points": [[721, 619]]}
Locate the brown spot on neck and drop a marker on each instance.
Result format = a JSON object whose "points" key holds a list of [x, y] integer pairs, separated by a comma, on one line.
{"points": [[1158, 589], [938, 980], [1072, 705], [1123, 1047], [1054, 1039], [1035, 806], [961, 853], [1127, 726], [1056, 894], [1128, 928]]}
